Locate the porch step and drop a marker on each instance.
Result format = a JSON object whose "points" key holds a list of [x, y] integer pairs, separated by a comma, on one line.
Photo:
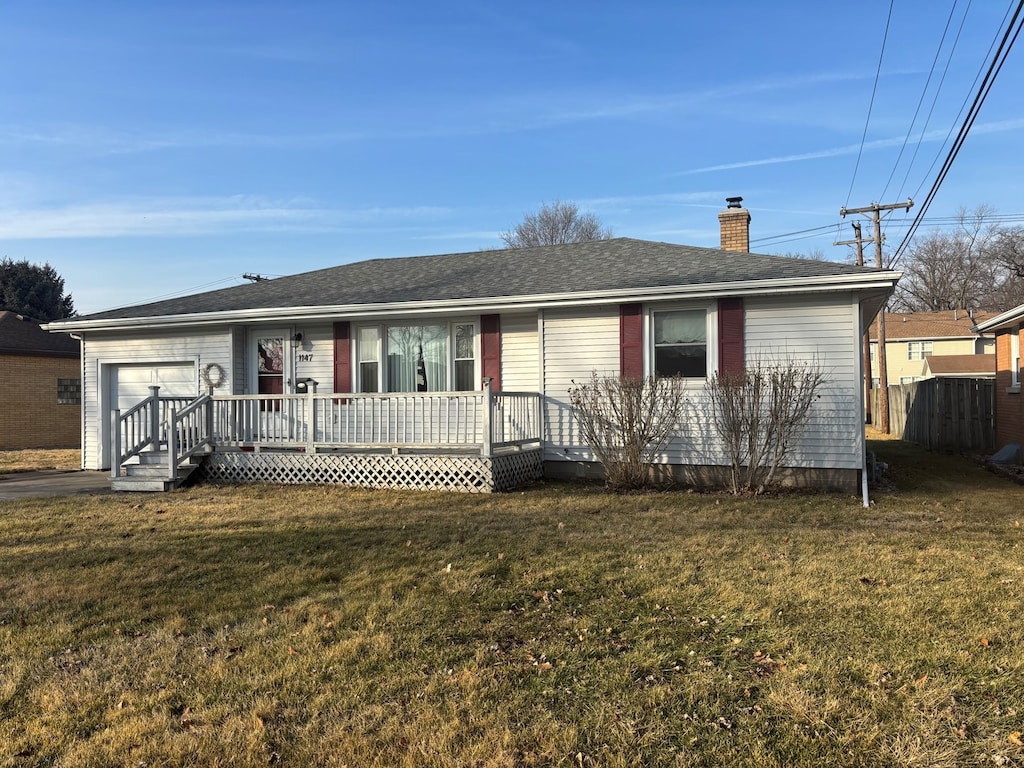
{"points": [[150, 473]]}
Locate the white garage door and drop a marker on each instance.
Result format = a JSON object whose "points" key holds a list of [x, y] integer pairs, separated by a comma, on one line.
{"points": [[130, 383]]}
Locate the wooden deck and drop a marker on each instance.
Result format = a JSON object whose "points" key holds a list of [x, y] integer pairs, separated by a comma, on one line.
{"points": [[466, 441]]}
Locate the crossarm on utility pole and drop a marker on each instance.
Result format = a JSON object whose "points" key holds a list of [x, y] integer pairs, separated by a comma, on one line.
{"points": [[875, 211]]}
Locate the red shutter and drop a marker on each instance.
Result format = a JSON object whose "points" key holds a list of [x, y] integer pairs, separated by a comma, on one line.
{"points": [[490, 349], [730, 335], [342, 357], [631, 341]]}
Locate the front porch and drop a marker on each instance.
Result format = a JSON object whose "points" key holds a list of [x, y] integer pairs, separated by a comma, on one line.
{"points": [[475, 442]]}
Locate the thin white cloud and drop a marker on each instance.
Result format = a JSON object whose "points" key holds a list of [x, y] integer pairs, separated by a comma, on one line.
{"points": [[511, 114], [169, 218], [852, 149]]}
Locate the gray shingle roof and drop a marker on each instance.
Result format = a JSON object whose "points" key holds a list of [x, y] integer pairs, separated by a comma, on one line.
{"points": [[23, 336], [620, 263]]}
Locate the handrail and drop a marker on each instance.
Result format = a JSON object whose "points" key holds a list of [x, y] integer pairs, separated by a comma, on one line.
{"points": [[144, 425], [479, 421], [188, 432]]}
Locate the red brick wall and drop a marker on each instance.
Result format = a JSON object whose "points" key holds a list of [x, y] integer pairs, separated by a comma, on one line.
{"points": [[29, 414], [1009, 405]]}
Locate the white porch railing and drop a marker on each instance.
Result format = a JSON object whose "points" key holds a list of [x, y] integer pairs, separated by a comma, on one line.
{"points": [[483, 421], [142, 427]]}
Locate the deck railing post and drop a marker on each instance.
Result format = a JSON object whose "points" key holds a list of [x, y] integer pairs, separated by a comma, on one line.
{"points": [[154, 416], [115, 443], [172, 443], [209, 419], [311, 417], [486, 445]]}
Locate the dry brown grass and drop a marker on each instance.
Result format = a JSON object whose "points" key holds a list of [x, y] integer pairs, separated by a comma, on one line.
{"points": [[559, 626], [40, 458]]}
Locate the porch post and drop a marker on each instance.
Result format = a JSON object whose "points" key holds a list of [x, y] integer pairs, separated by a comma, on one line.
{"points": [[115, 443], [311, 419], [486, 443], [209, 419], [172, 443], [154, 416]]}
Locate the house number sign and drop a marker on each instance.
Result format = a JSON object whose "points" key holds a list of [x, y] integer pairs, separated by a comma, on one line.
{"points": [[304, 357]]}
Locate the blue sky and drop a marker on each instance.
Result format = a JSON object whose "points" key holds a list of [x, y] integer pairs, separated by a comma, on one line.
{"points": [[149, 150]]}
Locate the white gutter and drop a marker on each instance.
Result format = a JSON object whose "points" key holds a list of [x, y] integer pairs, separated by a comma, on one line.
{"points": [[1008, 317], [875, 280]]}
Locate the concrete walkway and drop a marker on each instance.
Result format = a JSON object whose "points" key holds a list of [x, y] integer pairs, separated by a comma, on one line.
{"points": [[53, 482]]}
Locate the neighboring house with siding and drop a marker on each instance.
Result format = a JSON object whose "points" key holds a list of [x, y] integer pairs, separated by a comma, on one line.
{"points": [[40, 386], [1008, 329], [391, 335], [911, 338]]}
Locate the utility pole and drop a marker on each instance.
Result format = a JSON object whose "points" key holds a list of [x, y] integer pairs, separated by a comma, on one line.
{"points": [[859, 242], [874, 211]]}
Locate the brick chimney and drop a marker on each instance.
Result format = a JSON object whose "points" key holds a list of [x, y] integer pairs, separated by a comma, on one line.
{"points": [[735, 223]]}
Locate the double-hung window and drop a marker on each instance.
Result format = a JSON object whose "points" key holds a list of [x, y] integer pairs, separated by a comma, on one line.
{"points": [[681, 343], [918, 350], [414, 357], [368, 347]]}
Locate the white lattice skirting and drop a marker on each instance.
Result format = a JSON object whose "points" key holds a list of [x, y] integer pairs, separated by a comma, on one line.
{"points": [[470, 474]]}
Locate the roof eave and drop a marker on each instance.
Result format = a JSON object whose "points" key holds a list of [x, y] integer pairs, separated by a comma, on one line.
{"points": [[874, 281], [1010, 317]]}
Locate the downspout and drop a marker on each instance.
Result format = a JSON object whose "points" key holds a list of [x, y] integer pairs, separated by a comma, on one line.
{"points": [[81, 402]]}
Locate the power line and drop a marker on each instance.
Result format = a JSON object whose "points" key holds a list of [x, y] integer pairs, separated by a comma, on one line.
{"points": [[871, 103], [920, 101], [1009, 38], [935, 100], [963, 106], [895, 223]]}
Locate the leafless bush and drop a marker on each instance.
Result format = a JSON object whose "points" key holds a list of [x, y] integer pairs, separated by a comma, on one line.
{"points": [[627, 422], [759, 414]]}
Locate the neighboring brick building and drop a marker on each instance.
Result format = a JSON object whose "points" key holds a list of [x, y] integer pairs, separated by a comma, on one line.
{"points": [[1009, 405], [40, 386]]}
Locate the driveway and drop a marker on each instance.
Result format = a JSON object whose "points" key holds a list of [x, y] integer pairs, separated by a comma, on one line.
{"points": [[53, 482]]}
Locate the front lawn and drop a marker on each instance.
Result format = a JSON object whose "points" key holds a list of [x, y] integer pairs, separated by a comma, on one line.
{"points": [[305, 626]]}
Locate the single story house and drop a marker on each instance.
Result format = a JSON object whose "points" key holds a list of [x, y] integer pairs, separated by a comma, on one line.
{"points": [[1009, 408], [959, 367], [370, 373], [40, 386]]}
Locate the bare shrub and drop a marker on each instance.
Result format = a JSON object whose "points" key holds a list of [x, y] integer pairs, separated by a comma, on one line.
{"points": [[627, 422], [759, 415]]}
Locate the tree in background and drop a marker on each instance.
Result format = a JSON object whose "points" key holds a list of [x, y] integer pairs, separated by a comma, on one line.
{"points": [[34, 291], [556, 223], [976, 265]]}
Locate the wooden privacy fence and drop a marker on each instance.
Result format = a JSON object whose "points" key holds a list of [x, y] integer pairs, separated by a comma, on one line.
{"points": [[943, 414]]}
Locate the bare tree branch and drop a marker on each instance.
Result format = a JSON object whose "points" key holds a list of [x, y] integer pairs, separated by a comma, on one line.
{"points": [[556, 223], [977, 265]]}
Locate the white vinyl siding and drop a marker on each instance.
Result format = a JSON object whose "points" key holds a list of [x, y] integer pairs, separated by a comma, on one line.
{"points": [[576, 343], [818, 331], [101, 351], [314, 356], [520, 353]]}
